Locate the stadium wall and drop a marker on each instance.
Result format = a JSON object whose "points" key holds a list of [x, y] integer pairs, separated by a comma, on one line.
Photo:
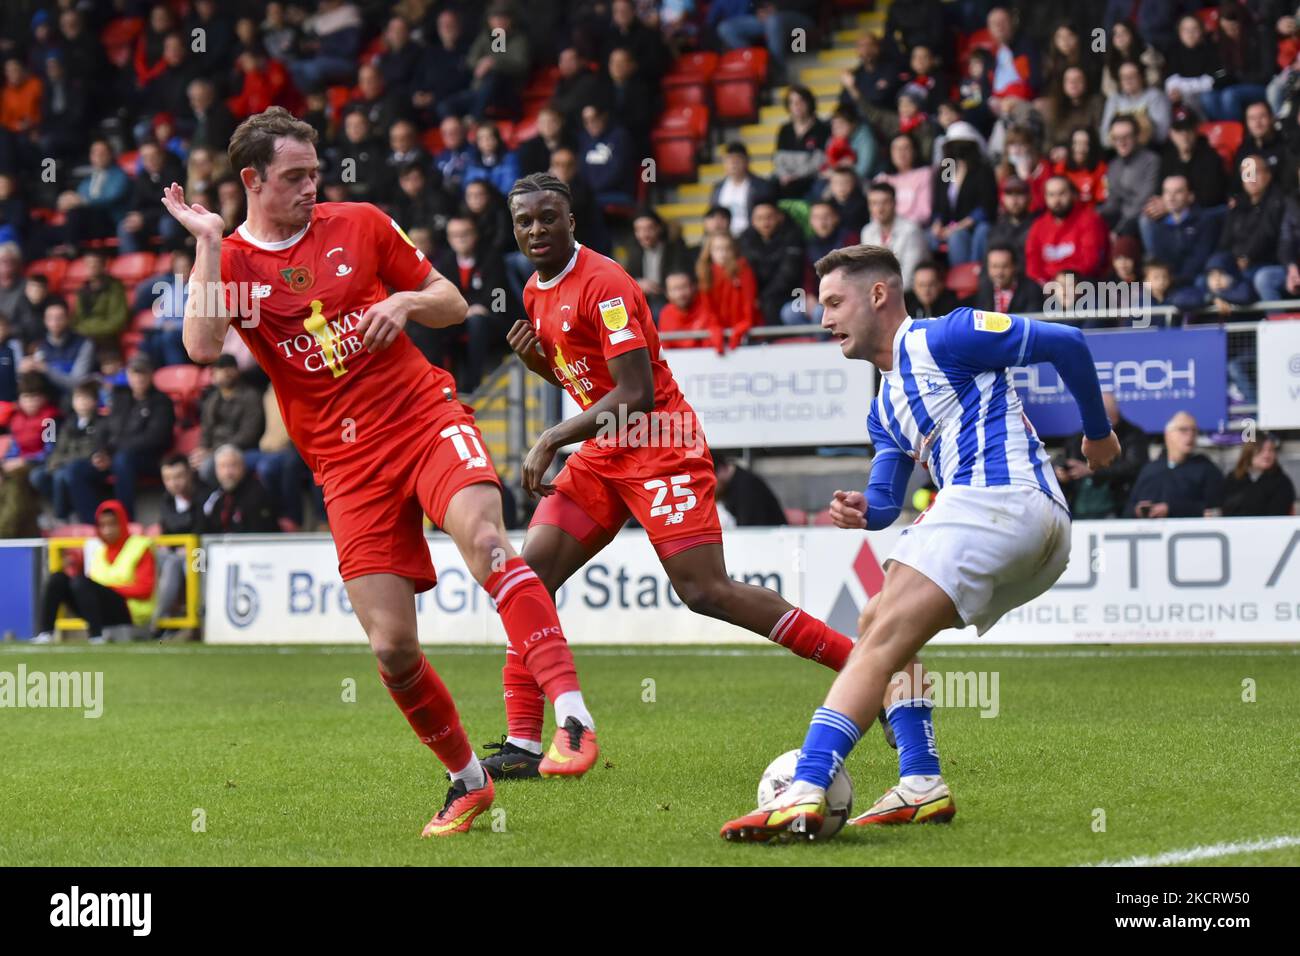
{"points": [[1129, 582]]}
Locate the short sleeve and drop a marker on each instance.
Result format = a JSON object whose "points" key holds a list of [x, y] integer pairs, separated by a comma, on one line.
{"points": [[401, 265], [984, 341], [618, 307]]}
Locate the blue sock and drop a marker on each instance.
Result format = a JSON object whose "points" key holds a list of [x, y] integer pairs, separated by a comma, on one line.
{"points": [[914, 730], [831, 736]]}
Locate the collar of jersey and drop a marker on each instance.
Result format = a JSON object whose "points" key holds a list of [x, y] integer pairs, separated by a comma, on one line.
{"points": [[272, 246], [903, 329], [555, 280]]}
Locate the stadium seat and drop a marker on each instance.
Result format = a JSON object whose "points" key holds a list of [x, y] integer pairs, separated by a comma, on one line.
{"points": [[127, 161], [674, 158], [736, 99], [685, 94], [822, 519], [964, 280], [524, 130], [118, 39], [181, 383], [71, 531], [749, 62], [143, 321], [53, 270], [692, 121], [131, 342], [704, 62], [76, 276], [185, 440], [132, 268], [1224, 138], [1284, 316], [432, 140], [796, 516], [1209, 17]]}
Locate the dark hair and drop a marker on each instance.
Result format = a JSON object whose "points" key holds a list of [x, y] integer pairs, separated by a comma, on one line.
{"points": [[881, 186], [737, 149], [1001, 247], [804, 94], [859, 260], [32, 382], [175, 458], [1094, 147], [718, 211], [1124, 118], [537, 183], [87, 386], [253, 142]]}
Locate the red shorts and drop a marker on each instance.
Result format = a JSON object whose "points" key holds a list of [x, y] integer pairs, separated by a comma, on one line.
{"points": [[376, 511], [668, 491]]}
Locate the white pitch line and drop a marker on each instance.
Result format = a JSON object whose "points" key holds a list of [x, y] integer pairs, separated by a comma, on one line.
{"points": [[1212, 852]]}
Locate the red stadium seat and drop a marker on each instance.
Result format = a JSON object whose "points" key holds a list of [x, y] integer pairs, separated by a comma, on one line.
{"points": [[162, 262], [1209, 17], [701, 61], [525, 129], [1284, 316], [674, 159], [118, 39], [181, 383], [76, 276], [432, 140], [1224, 138], [131, 342], [185, 440], [736, 99], [964, 280], [685, 94], [53, 270], [796, 516], [132, 268], [71, 531], [750, 62], [127, 161], [143, 321], [823, 518], [692, 121]]}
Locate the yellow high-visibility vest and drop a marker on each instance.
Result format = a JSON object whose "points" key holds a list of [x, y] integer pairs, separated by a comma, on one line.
{"points": [[120, 572]]}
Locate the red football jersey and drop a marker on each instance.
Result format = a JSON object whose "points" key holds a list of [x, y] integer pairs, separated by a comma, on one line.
{"points": [[591, 312], [342, 405]]}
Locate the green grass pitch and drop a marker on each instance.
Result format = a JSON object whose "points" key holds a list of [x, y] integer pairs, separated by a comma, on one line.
{"points": [[285, 771]]}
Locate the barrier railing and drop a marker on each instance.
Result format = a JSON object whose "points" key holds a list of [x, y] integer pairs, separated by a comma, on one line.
{"points": [[55, 547]]}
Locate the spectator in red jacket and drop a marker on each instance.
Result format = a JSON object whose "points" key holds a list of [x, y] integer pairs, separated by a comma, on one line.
{"points": [[688, 310], [728, 284], [115, 590], [1071, 237]]}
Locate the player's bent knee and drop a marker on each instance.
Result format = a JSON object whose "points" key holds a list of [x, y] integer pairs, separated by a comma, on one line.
{"points": [[397, 650], [703, 597]]}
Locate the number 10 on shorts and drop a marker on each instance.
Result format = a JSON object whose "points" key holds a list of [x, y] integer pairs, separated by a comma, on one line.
{"points": [[680, 489]]}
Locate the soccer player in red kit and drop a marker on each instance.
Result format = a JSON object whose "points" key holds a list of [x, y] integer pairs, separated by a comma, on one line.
{"points": [[590, 331], [379, 426]]}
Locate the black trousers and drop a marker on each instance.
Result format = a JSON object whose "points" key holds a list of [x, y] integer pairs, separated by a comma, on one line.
{"points": [[100, 606]]}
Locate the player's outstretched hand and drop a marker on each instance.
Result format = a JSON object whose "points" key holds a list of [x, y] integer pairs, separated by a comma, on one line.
{"points": [[1101, 452], [849, 510], [199, 222]]}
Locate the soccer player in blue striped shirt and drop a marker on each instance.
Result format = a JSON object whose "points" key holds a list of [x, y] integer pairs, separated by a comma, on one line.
{"points": [[997, 536]]}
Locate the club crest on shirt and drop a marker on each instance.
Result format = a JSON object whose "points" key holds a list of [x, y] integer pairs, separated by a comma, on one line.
{"points": [[991, 321], [613, 313], [298, 278]]}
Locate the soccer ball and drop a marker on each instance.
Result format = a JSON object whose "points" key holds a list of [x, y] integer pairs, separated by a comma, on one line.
{"points": [[839, 798]]}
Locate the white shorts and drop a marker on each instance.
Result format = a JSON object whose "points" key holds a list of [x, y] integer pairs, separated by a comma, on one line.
{"points": [[989, 549]]}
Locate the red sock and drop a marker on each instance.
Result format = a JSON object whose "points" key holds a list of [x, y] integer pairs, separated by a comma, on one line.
{"points": [[808, 637], [525, 702], [427, 704], [533, 627]]}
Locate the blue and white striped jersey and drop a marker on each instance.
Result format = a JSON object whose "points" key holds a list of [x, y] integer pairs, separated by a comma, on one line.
{"points": [[949, 404]]}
